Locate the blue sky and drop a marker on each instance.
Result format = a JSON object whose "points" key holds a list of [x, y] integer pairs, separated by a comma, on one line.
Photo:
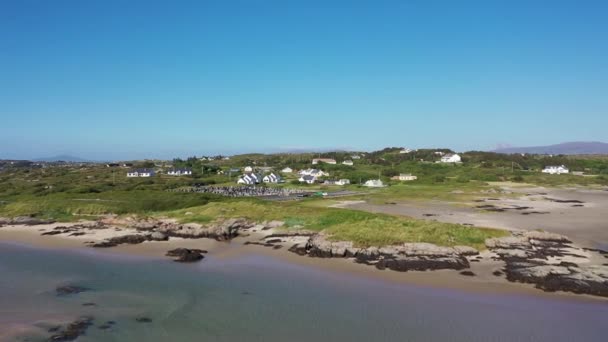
{"points": [[135, 79]]}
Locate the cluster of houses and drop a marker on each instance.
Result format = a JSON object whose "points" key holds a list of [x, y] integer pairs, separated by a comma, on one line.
{"points": [[311, 176], [249, 177], [150, 172]]}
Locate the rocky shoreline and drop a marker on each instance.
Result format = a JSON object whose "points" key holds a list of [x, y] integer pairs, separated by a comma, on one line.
{"points": [[550, 262]]}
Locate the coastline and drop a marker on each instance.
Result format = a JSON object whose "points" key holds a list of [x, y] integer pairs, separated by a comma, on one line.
{"points": [[483, 282]]}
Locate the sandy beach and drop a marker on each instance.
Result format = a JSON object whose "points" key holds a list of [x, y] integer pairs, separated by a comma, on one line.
{"points": [[581, 214], [482, 282]]}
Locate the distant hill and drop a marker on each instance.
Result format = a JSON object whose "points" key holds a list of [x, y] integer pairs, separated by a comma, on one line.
{"points": [[575, 147], [65, 158]]}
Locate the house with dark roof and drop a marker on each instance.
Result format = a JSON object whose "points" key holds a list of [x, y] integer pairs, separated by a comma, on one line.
{"points": [[308, 179], [249, 179], [271, 178]]}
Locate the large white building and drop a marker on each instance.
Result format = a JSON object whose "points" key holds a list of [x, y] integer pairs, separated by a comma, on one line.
{"points": [[555, 169], [323, 160], [451, 158], [374, 183]]}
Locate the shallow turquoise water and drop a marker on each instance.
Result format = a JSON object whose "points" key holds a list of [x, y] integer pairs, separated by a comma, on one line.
{"points": [[257, 298]]}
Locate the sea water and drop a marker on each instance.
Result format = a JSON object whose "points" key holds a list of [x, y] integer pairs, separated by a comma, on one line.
{"points": [[260, 298]]}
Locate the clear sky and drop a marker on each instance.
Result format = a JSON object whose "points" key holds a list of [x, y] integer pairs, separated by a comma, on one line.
{"points": [[133, 79]]}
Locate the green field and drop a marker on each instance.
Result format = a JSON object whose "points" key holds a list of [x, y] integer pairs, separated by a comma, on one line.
{"points": [[68, 192]]}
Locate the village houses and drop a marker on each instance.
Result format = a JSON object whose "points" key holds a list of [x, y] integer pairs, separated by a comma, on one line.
{"points": [[249, 179]]}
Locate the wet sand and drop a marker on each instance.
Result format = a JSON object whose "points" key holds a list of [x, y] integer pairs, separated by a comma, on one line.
{"points": [[236, 249]]}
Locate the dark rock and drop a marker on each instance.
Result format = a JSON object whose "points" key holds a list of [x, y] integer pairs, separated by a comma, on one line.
{"points": [[273, 240], [29, 221], [299, 250], [70, 289], [73, 330], [52, 232], [497, 273], [89, 304], [186, 255], [143, 320], [467, 273], [132, 239], [527, 261], [277, 247]]}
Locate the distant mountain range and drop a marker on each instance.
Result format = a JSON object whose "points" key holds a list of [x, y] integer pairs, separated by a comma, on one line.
{"points": [[65, 158], [575, 147]]}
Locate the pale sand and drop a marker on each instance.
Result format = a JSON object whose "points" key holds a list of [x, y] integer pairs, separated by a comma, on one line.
{"points": [[586, 225], [483, 282]]}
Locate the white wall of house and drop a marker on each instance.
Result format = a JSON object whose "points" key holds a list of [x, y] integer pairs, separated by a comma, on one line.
{"points": [[451, 158], [556, 170]]}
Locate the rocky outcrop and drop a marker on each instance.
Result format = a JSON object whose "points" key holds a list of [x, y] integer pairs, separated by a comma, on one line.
{"points": [[220, 231], [72, 331], [70, 289], [131, 239], [404, 257], [186, 255], [24, 220], [549, 262], [4, 221]]}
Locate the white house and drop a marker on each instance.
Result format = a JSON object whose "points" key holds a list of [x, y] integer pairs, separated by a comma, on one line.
{"points": [[439, 153], [271, 178], [347, 162], [141, 173], [343, 181], [287, 170], [355, 156], [374, 183], [313, 172], [249, 179], [555, 170], [405, 150], [451, 158], [405, 177], [180, 172], [323, 160], [248, 169], [307, 179]]}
